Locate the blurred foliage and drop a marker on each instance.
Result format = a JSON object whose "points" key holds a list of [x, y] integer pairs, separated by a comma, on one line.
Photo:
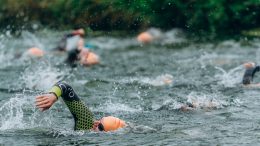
{"points": [[198, 16]]}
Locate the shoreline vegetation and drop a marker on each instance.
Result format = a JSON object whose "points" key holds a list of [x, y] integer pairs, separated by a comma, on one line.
{"points": [[213, 17]]}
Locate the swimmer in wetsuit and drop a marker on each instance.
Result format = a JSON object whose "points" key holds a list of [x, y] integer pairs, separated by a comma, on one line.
{"points": [[70, 41], [83, 117], [82, 55], [251, 69]]}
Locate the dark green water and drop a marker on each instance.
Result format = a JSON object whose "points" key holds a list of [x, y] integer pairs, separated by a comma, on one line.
{"points": [[129, 84]]}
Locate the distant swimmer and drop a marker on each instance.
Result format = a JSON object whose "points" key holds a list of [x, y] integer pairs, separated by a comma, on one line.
{"points": [[251, 69], [83, 117], [88, 57], [195, 104], [70, 40], [35, 52], [82, 55], [149, 36]]}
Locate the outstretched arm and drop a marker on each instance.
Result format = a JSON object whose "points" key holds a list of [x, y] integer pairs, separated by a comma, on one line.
{"points": [[83, 117]]}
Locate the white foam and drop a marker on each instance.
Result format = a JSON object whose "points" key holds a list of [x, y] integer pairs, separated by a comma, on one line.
{"points": [[19, 112], [205, 100], [40, 76], [229, 78], [116, 107], [30, 40]]}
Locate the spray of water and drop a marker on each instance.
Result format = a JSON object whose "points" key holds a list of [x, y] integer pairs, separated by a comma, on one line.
{"points": [[31, 40], [19, 112], [208, 101], [41, 76], [229, 78]]}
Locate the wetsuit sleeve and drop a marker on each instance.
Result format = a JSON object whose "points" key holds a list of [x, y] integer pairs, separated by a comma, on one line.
{"points": [[249, 74], [83, 117]]}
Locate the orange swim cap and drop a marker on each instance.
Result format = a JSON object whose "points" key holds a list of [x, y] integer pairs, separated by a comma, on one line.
{"points": [[88, 57], [145, 37], [35, 52], [112, 123]]}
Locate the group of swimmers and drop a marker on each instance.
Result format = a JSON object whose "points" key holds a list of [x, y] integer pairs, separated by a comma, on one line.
{"points": [[83, 117], [73, 44]]}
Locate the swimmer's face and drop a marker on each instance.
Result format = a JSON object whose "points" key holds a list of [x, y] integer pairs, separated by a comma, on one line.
{"points": [[98, 126]]}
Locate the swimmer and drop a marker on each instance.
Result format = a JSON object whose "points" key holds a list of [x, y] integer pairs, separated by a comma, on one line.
{"points": [[70, 41], [88, 57], [195, 104], [251, 69], [83, 55], [149, 36], [35, 52], [83, 117]]}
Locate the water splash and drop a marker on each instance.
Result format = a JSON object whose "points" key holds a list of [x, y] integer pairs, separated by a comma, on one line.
{"points": [[215, 59], [41, 76], [229, 78], [31, 40], [207, 101], [19, 112]]}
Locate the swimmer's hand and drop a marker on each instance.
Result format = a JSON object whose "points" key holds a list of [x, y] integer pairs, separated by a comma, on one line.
{"points": [[44, 102]]}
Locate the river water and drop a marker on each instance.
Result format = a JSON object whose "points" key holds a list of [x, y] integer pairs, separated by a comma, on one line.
{"points": [[129, 83]]}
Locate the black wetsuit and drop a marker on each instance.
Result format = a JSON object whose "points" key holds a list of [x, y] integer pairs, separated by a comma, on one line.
{"points": [[63, 42], [73, 57], [83, 117], [249, 74]]}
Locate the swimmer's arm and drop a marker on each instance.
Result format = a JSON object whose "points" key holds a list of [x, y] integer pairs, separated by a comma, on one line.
{"points": [[256, 69], [45, 101], [83, 117]]}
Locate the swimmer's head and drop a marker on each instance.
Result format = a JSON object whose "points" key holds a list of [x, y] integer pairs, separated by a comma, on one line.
{"points": [[144, 37], [168, 79], [88, 58], [36, 52], [249, 65], [110, 124], [79, 31]]}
